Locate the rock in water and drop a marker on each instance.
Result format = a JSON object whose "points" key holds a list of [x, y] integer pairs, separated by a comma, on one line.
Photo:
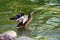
{"points": [[9, 35], [24, 38]]}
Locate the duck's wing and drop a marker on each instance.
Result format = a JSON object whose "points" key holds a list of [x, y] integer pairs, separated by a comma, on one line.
{"points": [[17, 16], [22, 19], [25, 18], [19, 20]]}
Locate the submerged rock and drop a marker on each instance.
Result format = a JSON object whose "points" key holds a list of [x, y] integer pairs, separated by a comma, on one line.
{"points": [[24, 38]]}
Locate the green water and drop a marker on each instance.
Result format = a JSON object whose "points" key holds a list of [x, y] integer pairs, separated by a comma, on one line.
{"points": [[44, 26]]}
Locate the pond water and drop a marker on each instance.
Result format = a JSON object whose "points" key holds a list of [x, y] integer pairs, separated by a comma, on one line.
{"points": [[44, 26]]}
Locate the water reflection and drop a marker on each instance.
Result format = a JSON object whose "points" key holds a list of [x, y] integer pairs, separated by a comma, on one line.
{"points": [[24, 32]]}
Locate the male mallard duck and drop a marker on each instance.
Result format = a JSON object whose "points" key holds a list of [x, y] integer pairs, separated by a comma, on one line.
{"points": [[23, 20]]}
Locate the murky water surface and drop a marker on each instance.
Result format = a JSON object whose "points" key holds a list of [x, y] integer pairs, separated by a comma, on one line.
{"points": [[44, 26]]}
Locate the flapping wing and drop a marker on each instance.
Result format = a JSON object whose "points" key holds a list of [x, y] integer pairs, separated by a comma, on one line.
{"points": [[25, 18], [22, 19]]}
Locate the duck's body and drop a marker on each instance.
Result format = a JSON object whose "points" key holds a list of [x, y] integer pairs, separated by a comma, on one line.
{"points": [[24, 20]]}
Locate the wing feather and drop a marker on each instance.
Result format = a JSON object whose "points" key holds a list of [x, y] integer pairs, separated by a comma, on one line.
{"points": [[22, 19]]}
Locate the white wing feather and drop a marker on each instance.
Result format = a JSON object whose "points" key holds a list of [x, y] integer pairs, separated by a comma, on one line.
{"points": [[23, 19]]}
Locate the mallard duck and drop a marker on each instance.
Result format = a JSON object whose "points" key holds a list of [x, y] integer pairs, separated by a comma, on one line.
{"points": [[23, 20]]}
